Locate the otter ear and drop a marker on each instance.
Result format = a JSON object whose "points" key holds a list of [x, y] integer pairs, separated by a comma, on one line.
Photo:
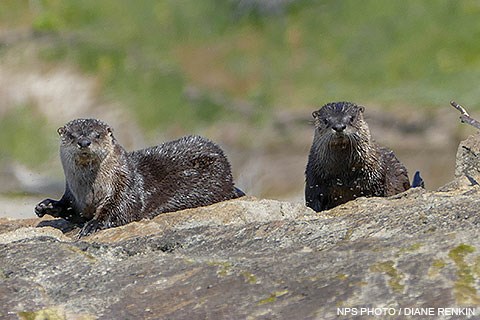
{"points": [[315, 114], [109, 131], [61, 130], [361, 109]]}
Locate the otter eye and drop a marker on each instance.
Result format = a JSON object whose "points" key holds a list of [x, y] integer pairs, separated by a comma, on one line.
{"points": [[326, 122], [351, 119], [67, 137], [95, 135]]}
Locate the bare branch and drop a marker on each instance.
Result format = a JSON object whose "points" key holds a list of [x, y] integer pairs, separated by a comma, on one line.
{"points": [[465, 117]]}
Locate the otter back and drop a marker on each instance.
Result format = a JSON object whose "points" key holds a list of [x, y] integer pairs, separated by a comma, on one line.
{"points": [[185, 173]]}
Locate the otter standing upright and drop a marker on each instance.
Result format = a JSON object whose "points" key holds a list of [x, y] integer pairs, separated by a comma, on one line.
{"points": [[107, 186], [344, 163]]}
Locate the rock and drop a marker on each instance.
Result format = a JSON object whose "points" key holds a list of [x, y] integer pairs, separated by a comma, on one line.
{"points": [[468, 159], [467, 164], [252, 259]]}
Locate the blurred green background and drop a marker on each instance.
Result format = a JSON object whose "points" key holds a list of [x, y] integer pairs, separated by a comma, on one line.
{"points": [[186, 66]]}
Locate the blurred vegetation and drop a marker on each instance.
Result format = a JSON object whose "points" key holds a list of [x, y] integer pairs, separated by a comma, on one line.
{"points": [[19, 127], [267, 54]]}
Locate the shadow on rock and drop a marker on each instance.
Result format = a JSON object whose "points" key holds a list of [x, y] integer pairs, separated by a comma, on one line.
{"points": [[61, 224]]}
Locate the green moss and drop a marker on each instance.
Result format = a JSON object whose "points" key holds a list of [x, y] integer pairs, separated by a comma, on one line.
{"points": [[361, 283], [342, 276], [91, 258], [51, 314], [45, 314], [189, 261], [272, 297], [249, 277], [437, 265], [348, 234], [458, 253], [224, 268], [395, 277], [412, 248], [464, 290], [476, 267]]}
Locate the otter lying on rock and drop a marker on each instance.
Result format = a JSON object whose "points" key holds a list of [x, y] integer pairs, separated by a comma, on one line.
{"points": [[107, 186], [344, 163]]}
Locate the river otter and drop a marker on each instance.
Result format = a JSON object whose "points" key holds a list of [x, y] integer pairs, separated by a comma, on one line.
{"points": [[107, 186], [344, 163]]}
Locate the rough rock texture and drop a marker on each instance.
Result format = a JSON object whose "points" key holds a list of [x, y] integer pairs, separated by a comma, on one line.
{"points": [[253, 259], [468, 158]]}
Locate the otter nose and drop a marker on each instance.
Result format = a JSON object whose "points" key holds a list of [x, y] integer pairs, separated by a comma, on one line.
{"points": [[339, 127], [84, 142]]}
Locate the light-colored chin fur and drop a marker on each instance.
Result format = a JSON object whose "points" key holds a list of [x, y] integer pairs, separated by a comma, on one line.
{"points": [[82, 158], [339, 142], [81, 170], [342, 151]]}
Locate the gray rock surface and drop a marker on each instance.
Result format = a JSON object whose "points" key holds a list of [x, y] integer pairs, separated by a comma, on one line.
{"points": [[254, 259], [468, 159]]}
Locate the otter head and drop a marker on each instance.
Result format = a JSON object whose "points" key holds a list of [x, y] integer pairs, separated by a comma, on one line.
{"points": [[85, 141], [340, 125]]}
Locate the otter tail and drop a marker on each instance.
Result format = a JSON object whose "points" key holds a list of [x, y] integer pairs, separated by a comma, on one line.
{"points": [[418, 181], [238, 193]]}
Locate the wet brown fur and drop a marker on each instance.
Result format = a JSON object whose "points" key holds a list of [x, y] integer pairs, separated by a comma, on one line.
{"points": [[107, 186], [344, 163]]}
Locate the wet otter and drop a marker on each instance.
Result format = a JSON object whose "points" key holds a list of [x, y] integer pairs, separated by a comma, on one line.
{"points": [[344, 163], [107, 186]]}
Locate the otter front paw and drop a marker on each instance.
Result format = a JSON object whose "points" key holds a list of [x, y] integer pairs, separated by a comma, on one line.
{"points": [[90, 227], [48, 206]]}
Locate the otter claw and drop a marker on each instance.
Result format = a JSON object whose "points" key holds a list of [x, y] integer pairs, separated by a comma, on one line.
{"points": [[90, 227]]}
